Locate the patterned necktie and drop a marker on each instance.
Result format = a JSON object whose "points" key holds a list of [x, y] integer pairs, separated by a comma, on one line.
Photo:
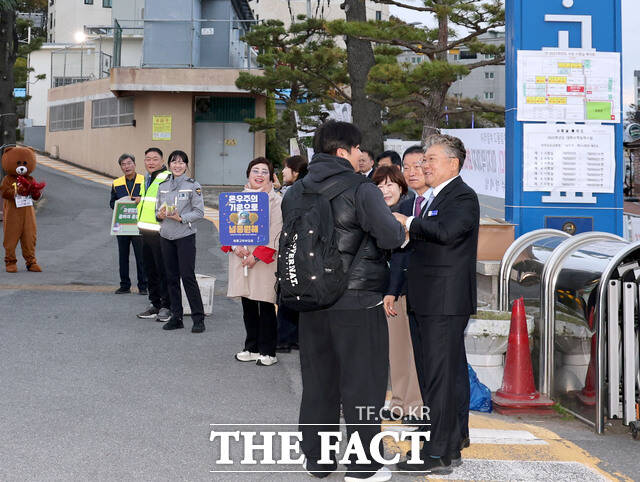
{"points": [[418, 209], [431, 198]]}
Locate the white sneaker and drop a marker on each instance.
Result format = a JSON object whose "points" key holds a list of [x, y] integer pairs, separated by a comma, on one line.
{"points": [[245, 356], [266, 360], [381, 475]]}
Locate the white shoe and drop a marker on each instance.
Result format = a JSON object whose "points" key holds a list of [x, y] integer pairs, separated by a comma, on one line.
{"points": [[381, 475], [266, 360], [245, 356]]}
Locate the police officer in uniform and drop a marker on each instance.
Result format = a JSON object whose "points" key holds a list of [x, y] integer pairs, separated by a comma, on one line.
{"points": [[179, 206]]}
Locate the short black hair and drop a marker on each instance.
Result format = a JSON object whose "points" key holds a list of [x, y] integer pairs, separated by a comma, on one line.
{"points": [[413, 150], [126, 156], [370, 153], [154, 149], [334, 135], [393, 155], [297, 164], [261, 160], [181, 154]]}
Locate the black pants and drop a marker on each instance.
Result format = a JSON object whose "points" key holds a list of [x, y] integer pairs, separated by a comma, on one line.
{"points": [[344, 357], [123, 255], [154, 268], [444, 380], [179, 257], [261, 325], [287, 325]]}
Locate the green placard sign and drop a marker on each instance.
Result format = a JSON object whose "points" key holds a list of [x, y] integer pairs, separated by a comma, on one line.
{"points": [[599, 111], [125, 218]]}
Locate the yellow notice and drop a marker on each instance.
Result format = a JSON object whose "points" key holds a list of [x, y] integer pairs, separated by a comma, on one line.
{"points": [[161, 128], [541, 79], [569, 65], [536, 100], [557, 79], [558, 100]]}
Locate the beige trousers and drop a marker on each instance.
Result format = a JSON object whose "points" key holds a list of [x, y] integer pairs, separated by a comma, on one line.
{"points": [[404, 379]]}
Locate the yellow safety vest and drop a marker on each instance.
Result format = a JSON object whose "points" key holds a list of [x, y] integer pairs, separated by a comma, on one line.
{"points": [[147, 205]]}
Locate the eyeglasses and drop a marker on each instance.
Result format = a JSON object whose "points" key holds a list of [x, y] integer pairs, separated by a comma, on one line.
{"points": [[258, 172], [433, 160]]}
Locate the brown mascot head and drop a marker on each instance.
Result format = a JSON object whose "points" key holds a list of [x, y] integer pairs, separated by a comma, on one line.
{"points": [[18, 161]]}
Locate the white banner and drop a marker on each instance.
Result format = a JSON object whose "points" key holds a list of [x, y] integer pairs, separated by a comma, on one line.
{"points": [[484, 167]]}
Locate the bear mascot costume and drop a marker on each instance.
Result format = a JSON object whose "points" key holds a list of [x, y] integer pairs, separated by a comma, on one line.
{"points": [[19, 190]]}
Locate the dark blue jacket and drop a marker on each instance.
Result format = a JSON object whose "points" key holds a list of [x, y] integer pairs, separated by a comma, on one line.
{"points": [[399, 261]]}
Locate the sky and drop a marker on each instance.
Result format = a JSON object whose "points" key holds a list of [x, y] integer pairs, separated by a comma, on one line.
{"points": [[630, 39]]}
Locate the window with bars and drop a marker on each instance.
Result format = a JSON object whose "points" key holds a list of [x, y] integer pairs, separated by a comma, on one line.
{"points": [[66, 117], [488, 95], [489, 75], [113, 112], [106, 3], [60, 81]]}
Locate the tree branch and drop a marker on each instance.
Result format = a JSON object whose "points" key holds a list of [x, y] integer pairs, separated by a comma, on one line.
{"points": [[404, 5]]}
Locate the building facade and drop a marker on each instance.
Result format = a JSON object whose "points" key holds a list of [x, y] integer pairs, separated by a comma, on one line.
{"points": [[486, 84], [163, 74], [288, 10]]}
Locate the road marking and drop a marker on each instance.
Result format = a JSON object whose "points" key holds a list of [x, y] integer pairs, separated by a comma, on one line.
{"points": [[503, 437], [210, 214], [503, 450], [71, 287]]}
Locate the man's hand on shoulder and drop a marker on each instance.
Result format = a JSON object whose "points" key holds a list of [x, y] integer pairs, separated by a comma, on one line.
{"points": [[402, 219]]}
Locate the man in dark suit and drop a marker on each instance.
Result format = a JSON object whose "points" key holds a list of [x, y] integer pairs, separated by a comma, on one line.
{"points": [[365, 164], [442, 295]]}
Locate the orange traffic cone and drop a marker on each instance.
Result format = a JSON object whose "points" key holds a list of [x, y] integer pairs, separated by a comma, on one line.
{"points": [[518, 389]]}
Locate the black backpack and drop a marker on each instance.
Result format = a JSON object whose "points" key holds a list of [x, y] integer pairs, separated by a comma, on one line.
{"points": [[310, 274]]}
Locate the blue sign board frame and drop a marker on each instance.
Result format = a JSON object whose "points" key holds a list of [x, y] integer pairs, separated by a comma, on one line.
{"points": [[528, 30], [244, 218]]}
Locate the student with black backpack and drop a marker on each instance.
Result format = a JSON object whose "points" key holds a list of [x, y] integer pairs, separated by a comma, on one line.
{"points": [[332, 267]]}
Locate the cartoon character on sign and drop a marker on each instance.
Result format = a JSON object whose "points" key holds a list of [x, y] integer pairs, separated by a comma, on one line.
{"points": [[243, 218]]}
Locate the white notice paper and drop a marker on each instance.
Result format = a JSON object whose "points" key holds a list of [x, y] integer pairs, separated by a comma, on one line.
{"points": [[23, 201], [568, 86], [569, 157]]}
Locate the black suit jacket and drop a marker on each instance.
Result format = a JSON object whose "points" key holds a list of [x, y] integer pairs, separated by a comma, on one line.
{"points": [[442, 266]]}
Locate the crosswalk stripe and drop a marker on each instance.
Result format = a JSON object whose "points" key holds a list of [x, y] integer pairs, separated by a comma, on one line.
{"points": [[503, 437]]}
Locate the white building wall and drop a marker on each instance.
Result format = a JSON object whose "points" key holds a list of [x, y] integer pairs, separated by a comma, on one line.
{"points": [[67, 17], [40, 62]]}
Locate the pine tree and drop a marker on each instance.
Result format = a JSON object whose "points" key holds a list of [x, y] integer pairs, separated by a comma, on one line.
{"points": [[419, 93], [302, 68]]}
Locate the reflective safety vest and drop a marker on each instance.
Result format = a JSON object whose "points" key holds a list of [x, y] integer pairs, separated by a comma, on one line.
{"points": [[147, 205]]}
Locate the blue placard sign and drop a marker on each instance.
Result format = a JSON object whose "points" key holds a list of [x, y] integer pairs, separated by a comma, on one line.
{"points": [[563, 114], [244, 218], [19, 92]]}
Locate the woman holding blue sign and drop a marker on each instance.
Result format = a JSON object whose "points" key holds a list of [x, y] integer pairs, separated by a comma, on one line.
{"points": [[252, 274], [178, 207]]}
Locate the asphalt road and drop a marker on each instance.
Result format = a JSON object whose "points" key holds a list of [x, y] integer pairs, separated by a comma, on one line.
{"points": [[90, 392]]}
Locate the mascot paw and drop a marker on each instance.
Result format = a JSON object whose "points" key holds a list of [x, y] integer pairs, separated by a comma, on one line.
{"points": [[12, 268], [34, 267]]}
